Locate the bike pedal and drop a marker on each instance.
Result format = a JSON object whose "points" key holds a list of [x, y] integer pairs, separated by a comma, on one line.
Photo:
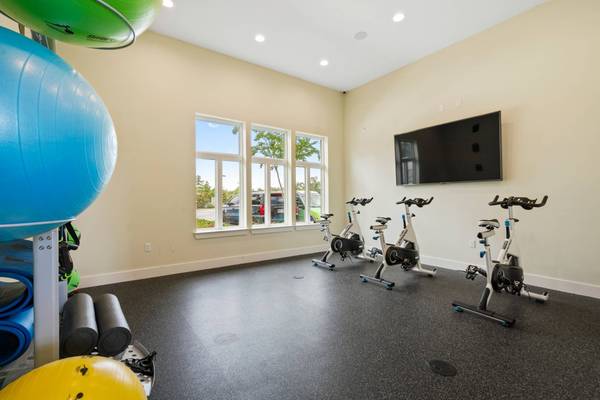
{"points": [[471, 272]]}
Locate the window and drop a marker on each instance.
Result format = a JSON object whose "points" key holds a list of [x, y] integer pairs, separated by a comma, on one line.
{"points": [[270, 194], [220, 199], [282, 183], [311, 176]]}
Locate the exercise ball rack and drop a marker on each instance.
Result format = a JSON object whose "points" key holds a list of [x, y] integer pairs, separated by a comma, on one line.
{"points": [[46, 300], [47, 296]]}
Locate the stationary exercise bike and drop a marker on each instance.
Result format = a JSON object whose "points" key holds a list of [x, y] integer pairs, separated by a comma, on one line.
{"points": [[405, 252], [350, 242], [506, 273]]}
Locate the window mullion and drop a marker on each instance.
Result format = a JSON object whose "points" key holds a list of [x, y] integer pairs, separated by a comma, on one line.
{"points": [[267, 194], [293, 178], [306, 195], [219, 194], [308, 164], [274, 161], [323, 194], [325, 177], [289, 203], [241, 196], [218, 156]]}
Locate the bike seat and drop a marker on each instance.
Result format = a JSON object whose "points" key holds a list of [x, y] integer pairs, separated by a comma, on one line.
{"points": [[326, 216], [489, 223], [383, 220], [379, 227]]}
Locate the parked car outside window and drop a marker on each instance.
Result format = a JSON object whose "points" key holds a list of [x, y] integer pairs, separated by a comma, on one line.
{"points": [[231, 210]]}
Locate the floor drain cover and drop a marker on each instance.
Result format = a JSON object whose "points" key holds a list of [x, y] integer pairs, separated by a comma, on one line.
{"points": [[298, 277], [442, 368]]}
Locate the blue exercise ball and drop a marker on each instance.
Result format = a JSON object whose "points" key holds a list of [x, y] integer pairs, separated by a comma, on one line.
{"points": [[58, 147]]}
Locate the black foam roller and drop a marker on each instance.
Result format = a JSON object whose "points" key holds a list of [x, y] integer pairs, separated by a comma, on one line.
{"points": [[113, 330], [79, 332]]}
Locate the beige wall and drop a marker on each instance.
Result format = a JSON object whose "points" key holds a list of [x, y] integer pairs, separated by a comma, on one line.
{"points": [[153, 91], [542, 70]]}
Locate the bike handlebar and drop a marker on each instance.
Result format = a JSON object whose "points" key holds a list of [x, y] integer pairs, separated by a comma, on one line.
{"points": [[359, 201], [526, 203], [415, 202]]}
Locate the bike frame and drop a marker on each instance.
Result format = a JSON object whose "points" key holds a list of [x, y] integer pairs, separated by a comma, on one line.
{"points": [[352, 227], [408, 235], [490, 264], [503, 258]]}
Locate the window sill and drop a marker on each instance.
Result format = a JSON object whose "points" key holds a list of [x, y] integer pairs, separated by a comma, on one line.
{"points": [[308, 227], [222, 233], [199, 234], [271, 229]]}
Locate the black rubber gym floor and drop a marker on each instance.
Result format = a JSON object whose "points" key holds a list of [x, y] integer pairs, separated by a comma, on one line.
{"points": [[287, 330]]}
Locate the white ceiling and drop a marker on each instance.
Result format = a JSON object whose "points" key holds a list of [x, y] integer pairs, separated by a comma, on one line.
{"points": [[299, 33]]}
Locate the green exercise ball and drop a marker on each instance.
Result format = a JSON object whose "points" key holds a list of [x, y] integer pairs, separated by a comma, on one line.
{"points": [[92, 23]]}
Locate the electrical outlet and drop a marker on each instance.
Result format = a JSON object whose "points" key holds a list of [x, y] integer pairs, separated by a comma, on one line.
{"points": [[147, 247], [473, 244]]}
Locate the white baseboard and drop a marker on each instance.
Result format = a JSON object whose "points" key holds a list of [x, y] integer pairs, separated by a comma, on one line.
{"points": [[561, 285], [444, 263], [179, 268]]}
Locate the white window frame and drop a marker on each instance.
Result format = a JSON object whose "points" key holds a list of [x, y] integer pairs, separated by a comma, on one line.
{"points": [[307, 166], [219, 158], [267, 164]]}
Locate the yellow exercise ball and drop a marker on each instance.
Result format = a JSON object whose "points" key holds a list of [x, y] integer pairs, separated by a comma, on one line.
{"points": [[75, 378]]}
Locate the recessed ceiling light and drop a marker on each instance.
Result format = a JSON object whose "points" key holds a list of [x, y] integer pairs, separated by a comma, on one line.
{"points": [[361, 35], [399, 16], [259, 37], [324, 63], [168, 3]]}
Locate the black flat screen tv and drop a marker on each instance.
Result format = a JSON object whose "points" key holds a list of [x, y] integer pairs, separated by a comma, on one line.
{"points": [[460, 151]]}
